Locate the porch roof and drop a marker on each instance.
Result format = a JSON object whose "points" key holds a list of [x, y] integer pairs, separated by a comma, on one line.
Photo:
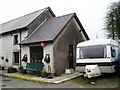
{"points": [[51, 29]]}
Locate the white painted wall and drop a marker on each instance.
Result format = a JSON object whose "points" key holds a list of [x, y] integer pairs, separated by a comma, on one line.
{"points": [[25, 50], [0, 50], [24, 34], [7, 48], [49, 50]]}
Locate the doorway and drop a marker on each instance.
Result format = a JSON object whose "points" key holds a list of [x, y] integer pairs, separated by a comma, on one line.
{"points": [[70, 56], [36, 54], [16, 57]]}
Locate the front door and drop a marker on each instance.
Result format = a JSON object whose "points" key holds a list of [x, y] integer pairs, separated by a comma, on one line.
{"points": [[70, 56]]}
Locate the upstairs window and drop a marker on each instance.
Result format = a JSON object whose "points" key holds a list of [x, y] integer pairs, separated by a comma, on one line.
{"points": [[15, 39]]}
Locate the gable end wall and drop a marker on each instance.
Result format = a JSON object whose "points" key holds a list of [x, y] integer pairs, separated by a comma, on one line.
{"points": [[69, 36]]}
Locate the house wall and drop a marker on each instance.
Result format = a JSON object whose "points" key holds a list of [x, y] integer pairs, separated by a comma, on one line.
{"points": [[70, 36], [48, 50], [0, 49], [38, 21], [25, 50], [7, 43], [8, 47]]}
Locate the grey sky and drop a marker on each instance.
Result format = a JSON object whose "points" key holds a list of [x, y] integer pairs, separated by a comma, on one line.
{"points": [[91, 13]]}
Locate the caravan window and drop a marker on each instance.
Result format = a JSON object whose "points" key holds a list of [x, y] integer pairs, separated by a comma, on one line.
{"points": [[113, 53], [92, 52]]}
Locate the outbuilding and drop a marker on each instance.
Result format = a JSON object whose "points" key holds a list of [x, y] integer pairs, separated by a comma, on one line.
{"points": [[56, 39]]}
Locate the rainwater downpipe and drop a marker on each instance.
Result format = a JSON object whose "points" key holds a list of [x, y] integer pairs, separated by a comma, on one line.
{"points": [[20, 48]]}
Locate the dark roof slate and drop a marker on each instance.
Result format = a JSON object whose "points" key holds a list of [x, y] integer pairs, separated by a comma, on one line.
{"points": [[20, 22], [49, 30]]}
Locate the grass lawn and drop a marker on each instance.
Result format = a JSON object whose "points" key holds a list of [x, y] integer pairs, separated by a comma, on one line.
{"points": [[104, 81]]}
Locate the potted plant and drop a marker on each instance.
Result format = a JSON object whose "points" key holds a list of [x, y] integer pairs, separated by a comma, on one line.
{"points": [[57, 72], [20, 69], [49, 72], [3, 68], [11, 70], [44, 74]]}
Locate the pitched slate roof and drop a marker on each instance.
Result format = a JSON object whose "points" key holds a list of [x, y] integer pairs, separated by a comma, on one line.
{"points": [[50, 29], [21, 22]]}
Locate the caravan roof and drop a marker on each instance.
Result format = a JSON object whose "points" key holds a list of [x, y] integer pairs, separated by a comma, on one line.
{"points": [[98, 42]]}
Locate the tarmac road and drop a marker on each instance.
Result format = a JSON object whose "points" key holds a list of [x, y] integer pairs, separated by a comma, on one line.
{"points": [[105, 81], [18, 83]]}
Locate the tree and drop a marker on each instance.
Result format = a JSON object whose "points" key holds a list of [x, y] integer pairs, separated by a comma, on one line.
{"points": [[112, 24]]}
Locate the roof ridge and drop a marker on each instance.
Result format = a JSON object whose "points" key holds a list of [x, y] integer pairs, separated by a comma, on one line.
{"points": [[66, 15], [63, 15], [24, 15]]}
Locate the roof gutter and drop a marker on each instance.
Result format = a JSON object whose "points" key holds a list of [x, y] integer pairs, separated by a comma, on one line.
{"points": [[16, 30], [49, 41]]}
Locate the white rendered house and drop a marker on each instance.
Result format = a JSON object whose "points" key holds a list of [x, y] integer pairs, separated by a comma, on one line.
{"points": [[41, 34]]}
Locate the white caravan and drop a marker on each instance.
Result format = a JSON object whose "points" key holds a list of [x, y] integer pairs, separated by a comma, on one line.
{"points": [[100, 52]]}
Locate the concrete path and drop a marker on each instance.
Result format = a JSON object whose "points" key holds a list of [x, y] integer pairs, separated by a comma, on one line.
{"points": [[28, 77]]}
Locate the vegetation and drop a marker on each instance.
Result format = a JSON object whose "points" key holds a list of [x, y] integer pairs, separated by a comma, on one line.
{"points": [[44, 74], [57, 72], [112, 24], [104, 81], [11, 70], [21, 67]]}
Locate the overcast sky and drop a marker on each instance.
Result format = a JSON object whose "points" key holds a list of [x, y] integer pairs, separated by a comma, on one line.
{"points": [[91, 13]]}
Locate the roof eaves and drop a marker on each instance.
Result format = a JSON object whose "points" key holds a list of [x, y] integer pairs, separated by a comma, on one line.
{"points": [[87, 37], [25, 43], [48, 8], [18, 30]]}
